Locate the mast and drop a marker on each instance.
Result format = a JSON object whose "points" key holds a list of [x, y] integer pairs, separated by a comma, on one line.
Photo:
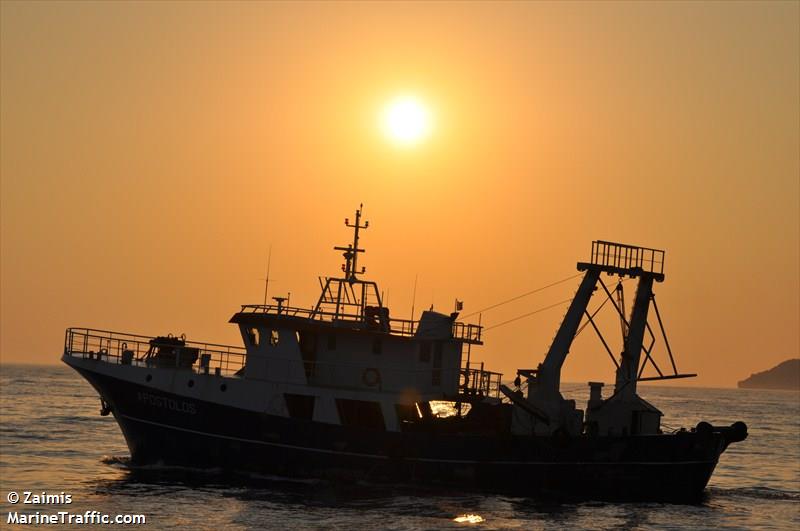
{"points": [[342, 293], [351, 251]]}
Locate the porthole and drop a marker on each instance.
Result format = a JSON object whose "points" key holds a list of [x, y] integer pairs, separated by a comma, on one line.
{"points": [[223, 387], [190, 383], [148, 378]]}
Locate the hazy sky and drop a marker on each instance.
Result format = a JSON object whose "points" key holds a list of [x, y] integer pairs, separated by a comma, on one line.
{"points": [[152, 152]]}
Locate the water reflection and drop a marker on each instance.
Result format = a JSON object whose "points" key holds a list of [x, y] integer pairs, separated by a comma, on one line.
{"points": [[469, 519], [756, 485]]}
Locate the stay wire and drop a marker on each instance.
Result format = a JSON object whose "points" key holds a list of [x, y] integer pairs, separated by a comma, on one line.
{"points": [[517, 318], [521, 296], [528, 314]]}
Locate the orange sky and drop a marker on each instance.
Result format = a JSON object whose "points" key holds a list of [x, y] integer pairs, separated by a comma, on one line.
{"points": [[151, 152]]}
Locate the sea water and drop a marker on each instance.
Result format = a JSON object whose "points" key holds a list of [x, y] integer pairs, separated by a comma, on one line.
{"points": [[53, 442]]}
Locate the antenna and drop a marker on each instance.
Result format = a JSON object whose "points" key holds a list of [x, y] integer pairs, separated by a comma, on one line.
{"points": [[414, 297], [351, 251], [266, 280]]}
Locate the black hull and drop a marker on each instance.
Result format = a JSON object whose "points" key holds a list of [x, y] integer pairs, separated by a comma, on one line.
{"points": [[175, 430]]}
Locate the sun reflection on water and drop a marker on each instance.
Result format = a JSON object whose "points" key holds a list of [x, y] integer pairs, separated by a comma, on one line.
{"points": [[469, 519]]}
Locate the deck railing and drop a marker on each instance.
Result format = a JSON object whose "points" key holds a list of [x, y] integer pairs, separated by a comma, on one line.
{"points": [[621, 256], [479, 381], [400, 327], [132, 349]]}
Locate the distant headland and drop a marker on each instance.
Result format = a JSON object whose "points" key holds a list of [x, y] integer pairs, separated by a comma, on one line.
{"points": [[785, 375]]}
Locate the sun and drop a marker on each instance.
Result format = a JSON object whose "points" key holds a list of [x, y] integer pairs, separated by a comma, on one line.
{"points": [[406, 121]]}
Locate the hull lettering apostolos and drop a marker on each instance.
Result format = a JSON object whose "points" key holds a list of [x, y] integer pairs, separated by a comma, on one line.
{"points": [[181, 406]]}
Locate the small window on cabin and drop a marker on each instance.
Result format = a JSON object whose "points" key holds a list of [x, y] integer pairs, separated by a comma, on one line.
{"points": [[377, 345], [425, 352], [308, 343], [360, 414], [300, 406], [253, 336], [436, 377], [331, 341], [274, 337]]}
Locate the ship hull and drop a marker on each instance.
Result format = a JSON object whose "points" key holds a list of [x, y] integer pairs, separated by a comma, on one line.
{"points": [[170, 429]]}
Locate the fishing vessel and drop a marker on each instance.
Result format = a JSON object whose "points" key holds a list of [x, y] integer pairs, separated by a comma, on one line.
{"points": [[343, 390]]}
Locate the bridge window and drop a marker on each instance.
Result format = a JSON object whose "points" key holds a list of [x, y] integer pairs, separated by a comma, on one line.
{"points": [[253, 336], [425, 352], [274, 337], [437, 365], [360, 414], [300, 406]]}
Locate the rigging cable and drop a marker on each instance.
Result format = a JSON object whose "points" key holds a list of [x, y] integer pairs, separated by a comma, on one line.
{"points": [[546, 308], [528, 314], [521, 296], [586, 323]]}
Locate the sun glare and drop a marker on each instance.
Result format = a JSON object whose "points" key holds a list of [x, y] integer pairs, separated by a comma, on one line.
{"points": [[406, 121]]}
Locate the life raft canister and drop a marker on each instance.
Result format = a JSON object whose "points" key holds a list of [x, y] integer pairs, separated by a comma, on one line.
{"points": [[371, 377]]}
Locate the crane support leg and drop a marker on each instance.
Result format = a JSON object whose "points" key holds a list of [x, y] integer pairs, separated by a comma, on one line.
{"points": [[549, 376], [627, 373]]}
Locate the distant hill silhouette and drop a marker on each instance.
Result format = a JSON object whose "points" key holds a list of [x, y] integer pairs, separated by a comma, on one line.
{"points": [[785, 375]]}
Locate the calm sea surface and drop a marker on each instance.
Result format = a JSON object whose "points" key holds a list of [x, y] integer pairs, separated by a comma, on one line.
{"points": [[53, 439]]}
